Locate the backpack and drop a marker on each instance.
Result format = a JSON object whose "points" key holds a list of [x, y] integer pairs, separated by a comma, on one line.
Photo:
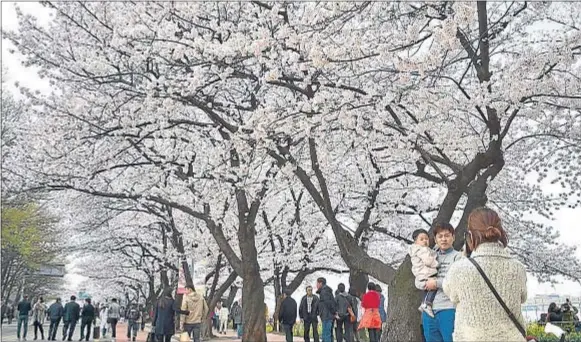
{"points": [[133, 315]]}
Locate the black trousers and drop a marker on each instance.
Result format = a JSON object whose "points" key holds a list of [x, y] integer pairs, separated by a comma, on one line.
{"points": [[344, 330], [86, 324], [54, 325], [373, 335], [288, 331], [113, 322], [315, 325], [37, 327], [163, 338], [70, 327]]}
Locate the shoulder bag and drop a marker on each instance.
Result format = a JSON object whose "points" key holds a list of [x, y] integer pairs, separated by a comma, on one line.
{"points": [[495, 293]]}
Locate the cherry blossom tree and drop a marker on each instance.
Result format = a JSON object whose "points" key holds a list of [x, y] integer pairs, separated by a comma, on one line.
{"points": [[387, 114]]}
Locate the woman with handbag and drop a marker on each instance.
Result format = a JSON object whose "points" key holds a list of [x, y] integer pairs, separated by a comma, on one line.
{"points": [[489, 286], [164, 317]]}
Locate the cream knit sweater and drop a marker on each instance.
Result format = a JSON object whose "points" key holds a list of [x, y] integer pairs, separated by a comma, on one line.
{"points": [[479, 316]]}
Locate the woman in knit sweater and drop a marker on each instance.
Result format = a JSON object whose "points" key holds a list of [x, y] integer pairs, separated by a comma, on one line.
{"points": [[479, 315]]}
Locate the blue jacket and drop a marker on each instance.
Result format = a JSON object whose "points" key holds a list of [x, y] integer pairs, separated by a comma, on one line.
{"points": [[382, 312]]}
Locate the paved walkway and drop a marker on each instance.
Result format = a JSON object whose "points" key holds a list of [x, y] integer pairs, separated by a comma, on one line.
{"points": [[230, 336]]}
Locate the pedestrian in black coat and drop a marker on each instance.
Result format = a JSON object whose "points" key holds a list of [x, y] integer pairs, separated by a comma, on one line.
{"points": [[71, 315], [308, 311], [164, 317], [287, 315], [55, 314], [87, 318]]}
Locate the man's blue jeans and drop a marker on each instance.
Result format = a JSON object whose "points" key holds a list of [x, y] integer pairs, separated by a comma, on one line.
{"points": [[327, 330], [22, 320], [441, 327]]}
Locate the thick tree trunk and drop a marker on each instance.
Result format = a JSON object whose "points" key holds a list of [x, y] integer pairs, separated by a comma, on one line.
{"points": [[403, 319], [254, 323], [358, 280]]}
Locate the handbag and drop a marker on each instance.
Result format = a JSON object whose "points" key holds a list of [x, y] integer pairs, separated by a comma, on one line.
{"points": [[184, 337], [512, 317], [352, 317]]}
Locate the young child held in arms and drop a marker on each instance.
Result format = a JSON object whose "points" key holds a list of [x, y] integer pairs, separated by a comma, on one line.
{"points": [[424, 267]]}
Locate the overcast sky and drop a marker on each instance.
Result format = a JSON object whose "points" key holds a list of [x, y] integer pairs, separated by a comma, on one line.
{"points": [[565, 220]]}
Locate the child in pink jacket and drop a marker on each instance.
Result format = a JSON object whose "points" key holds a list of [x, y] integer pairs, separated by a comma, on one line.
{"points": [[424, 267]]}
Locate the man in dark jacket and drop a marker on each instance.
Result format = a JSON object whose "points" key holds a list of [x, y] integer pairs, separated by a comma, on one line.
{"points": [[24, 308], [308, 311], [344, 307], [132, 317], [55, 314], [287, 315], [87, 318], [327, 308], [71, 315]]}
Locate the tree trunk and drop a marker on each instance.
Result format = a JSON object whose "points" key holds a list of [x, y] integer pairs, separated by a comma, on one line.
{"points": [[254, 323], [358, 280], [278, 302], [231, 296], [403, 319]]}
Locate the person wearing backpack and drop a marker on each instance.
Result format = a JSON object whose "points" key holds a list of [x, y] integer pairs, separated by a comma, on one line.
{"points": [[132, 317], [344, 304]]}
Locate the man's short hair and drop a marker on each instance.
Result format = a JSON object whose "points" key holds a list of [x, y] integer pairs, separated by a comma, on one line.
{"points": [[114, 300], [377, 288], [371, 286], [191, 287], [308, 287], [322, 280], [73, 297], [341, 287], [442, 227]]}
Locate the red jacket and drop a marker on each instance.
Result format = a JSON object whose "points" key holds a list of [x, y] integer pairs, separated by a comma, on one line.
{"points": [[370, 300]]}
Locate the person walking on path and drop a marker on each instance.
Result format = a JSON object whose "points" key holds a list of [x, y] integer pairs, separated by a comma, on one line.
{"points": [[224, 314], [479, 314], [164, 317], [55, 314], [3, 312], [132, 318], [113, 316], [38, 317], [237, 318], [371, 319], [72, 311], [308, 311], [198, 312], [24, 308], [103, 317], [87, 319], [10, 312], [287, 315], [441, 327], [344, 308], [382, 312], [327, 308]]}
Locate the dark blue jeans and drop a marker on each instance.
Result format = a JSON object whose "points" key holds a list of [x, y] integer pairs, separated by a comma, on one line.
{"points": [[22, 320], [327, 331]]}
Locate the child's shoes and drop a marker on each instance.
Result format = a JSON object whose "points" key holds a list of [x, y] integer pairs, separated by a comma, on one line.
{"points": [[427, 309]]}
